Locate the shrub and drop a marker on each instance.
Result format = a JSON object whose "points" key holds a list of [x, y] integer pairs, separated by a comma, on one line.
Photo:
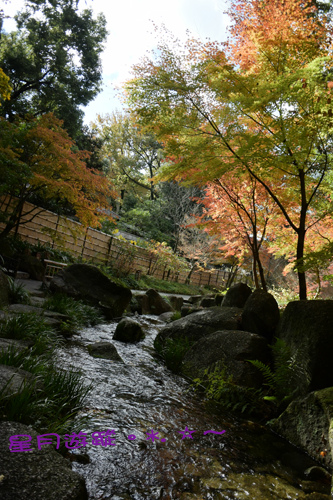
{"points": [[173, 352]]}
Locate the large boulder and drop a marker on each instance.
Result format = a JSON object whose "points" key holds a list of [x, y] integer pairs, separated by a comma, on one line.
{"points": [[153, 303], [201, 323], [36, 474], [306, 327], [4, 289], [308, 423], [229, 350], [237, 295], [104, 350], [261, 314], [86, 282], [128, 330]]}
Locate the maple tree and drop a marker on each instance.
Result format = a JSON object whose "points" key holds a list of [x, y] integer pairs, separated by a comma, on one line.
{"points": [[37, 157], [259, 105], [242, 215]]}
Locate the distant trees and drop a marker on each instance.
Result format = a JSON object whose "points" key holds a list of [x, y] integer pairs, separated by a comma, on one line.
{"points": [[131, 157]]}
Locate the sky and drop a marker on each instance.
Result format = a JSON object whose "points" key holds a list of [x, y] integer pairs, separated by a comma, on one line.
{"points": [[131, 34]]}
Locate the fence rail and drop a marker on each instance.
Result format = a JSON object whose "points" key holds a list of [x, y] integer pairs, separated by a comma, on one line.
{"points": [[62, 233]]}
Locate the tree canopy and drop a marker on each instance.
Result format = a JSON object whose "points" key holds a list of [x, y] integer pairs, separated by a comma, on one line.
{"points": [[37, 158], [258, 106], [53, 60]]}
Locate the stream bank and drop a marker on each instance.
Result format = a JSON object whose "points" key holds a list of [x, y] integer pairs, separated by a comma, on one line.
{"points": [[140, 395]]}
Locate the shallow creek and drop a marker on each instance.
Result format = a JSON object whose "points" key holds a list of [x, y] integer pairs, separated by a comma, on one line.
{"points": [[140, 395]]}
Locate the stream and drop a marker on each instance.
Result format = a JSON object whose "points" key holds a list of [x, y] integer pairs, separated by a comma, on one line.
{"points": [[142, 396]]}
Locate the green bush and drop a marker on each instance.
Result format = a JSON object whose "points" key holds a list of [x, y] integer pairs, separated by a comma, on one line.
{"points": [[173, 352], [18, 294], [79, 313], [219, 387]]}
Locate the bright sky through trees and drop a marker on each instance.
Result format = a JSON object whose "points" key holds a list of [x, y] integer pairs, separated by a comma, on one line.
{"points": [[131, 34]]}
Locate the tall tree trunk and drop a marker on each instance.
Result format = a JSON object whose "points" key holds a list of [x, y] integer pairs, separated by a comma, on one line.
{"points": [[254, 270], [301, 240], [300, 262]]}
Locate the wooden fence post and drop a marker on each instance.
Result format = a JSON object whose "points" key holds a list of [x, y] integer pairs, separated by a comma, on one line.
{"points": [[84, 242], [109, 251], [56, 230]]}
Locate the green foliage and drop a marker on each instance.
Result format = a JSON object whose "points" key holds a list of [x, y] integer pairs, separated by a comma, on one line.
{"points": [[80, 314], [52, 397], [173, 351], [18, 294], [53, 60], [49, 401], [285, 376], [219, 387], [283, 295], [25, 326], [176, 315]]}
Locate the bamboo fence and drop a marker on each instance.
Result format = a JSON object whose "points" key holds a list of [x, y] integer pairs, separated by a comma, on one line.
{"points": [[38, 225]]}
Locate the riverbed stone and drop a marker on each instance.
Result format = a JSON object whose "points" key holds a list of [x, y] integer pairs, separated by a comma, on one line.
{"points": [[154, 303], [128, 330], [36, 474], [308, 423], [201, 323], [13, 380], [176, 302], [237, 295], [229, 351], [87, 282], [306, 328], [208, 302], [4, 289], [16, 345], [166, 317], [261, 314], [104, 350]]}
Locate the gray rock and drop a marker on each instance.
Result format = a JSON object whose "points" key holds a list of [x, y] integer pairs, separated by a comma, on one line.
{"points": [[189, 309], [104, 350], [26, 309], [38, 474], [229, 350], [308, 423], [306, 327], [176, 302], [201, 323], [261, 314], [166, 317], [86, 282], [17, 345], [208, 302], [13, 380], [128, 330], [195, 299], [153, 303], [237, 295]]}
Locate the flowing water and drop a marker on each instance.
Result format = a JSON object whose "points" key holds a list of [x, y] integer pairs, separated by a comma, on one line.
{"points": [[141, 396]]}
